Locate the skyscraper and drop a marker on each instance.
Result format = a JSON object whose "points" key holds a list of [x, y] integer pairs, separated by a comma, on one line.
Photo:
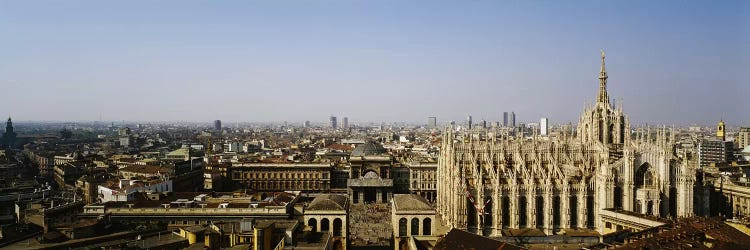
{"points": [[484, 124], [307, 124], [217, 125], [505, 119], [544, 126], [345, 122], [431, 122], [334, 124], [512, 119], [468, 122]]}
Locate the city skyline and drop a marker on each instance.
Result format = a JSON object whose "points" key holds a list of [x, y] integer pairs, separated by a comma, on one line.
{"points": [[536, 60]]}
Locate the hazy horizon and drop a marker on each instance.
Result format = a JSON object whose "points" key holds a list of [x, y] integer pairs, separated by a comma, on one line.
{"points": [[669, 62]]}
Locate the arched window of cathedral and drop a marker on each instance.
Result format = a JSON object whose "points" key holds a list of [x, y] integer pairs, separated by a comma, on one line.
{"points": [[540, 212], [573, 212], [648, 179], [522, 213], [556, 211], [506, 211], [611, 133], [601, 131], [586, 133], [644, 177], [622, 131]]}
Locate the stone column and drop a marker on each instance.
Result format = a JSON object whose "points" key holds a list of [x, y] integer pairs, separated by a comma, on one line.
{"points": [[582, 215], [497, 210], [548, 213], [531, 207], [565, 206], [513, 208]]}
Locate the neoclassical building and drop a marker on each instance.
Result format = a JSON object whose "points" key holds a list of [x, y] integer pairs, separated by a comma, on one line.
{"points": [[488, 182]]}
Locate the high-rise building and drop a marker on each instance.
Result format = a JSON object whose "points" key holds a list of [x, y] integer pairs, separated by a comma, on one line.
{"points": [[217, 125], [431, 122], [307, 124], [468, 122], [345, 122], [334, 124], [743, 138], [505, 119], [714, 151], [484, 124], [544, 126], [512, 119]]}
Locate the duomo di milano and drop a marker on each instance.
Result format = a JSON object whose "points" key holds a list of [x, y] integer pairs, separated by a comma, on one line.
{"points": [[488, 183]]}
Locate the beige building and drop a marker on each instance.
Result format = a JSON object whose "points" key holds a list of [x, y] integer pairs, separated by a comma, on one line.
{"points": [[411, 215], [329, 213], [283, 176], [743, 138]]}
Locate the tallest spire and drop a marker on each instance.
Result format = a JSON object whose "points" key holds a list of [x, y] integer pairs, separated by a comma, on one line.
{"points": [[603, 98]]}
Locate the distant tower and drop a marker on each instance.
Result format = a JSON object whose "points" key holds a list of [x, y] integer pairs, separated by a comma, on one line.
{"points": [[431, 122], [334, 124], [217, 125], [345, 122], [719, 130], [505, 119], [10, 135], [544, 126], [307, 124], [468, 122], [512, 119], [484, 124]]}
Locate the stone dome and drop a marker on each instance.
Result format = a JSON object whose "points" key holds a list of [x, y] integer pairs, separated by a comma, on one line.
{"points": [[367, 149]]}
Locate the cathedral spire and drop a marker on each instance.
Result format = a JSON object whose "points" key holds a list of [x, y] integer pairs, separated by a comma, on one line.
{"points": [[603, 98]]}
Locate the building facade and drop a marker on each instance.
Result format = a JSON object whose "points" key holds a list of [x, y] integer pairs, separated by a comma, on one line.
{"points": [[487, 183]]}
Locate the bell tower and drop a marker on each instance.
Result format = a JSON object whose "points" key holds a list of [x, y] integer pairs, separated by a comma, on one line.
{"points": [[720, 130]]}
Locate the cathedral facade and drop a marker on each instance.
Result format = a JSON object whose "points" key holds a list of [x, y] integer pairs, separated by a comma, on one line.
{"points": [[489, 182]]}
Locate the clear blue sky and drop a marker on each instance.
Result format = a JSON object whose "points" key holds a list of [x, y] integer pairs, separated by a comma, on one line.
{"points": [[680, 62]]}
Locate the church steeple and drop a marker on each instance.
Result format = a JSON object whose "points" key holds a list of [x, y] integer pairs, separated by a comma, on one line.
{"points": [[602, 97]]}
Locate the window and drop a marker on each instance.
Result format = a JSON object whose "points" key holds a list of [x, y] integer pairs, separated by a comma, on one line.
{"points": [[402, 227], [427, 226], [414, 226]]}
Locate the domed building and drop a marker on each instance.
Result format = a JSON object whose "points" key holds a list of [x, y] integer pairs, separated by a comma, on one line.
{"points": [[370, 177], [368, 149]]}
